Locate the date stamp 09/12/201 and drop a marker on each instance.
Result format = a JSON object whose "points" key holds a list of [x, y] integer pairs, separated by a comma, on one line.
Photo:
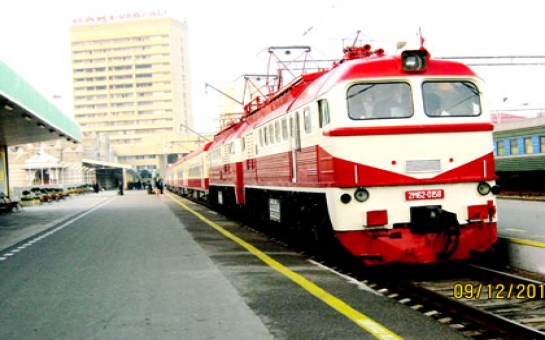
{"points": [[499, 291]]}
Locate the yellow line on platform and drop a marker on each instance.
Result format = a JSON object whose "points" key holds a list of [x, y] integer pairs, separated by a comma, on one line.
{"points": [[526, 242], [362, 320]]}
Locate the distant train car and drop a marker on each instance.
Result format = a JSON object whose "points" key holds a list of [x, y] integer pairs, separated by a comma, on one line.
{"points": [[390, 154], [226, 167], [189, 176], [173, 177]]}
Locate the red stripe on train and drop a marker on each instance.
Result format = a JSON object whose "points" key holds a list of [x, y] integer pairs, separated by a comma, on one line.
{"points": [[409, 129], [349, 174], [197, 183], [321, 169]]}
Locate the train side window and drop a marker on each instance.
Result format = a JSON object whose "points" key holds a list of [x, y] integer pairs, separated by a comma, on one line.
{"points": [[261, 137], [528, 145], [542, 144], [501, 148], [514, 147], [243, 144], [291, 127], [307, 120], [266, 135], [285, 129], [296, 128], [271, 133], [323, 107]]}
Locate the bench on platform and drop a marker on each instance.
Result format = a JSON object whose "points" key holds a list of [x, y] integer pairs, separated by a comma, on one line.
{"points": [[7, 204]]}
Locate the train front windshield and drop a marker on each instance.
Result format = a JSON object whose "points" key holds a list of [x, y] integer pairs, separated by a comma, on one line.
{"points": [[443, 99], [394, 100]]}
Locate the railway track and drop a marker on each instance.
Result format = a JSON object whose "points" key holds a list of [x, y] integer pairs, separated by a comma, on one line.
{"points": [[481, 303]]}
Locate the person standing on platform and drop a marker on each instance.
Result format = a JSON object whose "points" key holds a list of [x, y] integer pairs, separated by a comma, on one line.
{"points": [[160, 185]]}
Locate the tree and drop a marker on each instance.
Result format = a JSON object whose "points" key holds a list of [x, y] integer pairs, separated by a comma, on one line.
{"points": [[145, 174]]}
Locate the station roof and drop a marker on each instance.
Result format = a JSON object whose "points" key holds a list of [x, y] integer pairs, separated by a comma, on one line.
{"points": [[28, 117]]}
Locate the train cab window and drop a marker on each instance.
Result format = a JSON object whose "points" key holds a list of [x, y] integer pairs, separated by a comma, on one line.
{"points": [[379, 101], [307, 120], [451, 99]]}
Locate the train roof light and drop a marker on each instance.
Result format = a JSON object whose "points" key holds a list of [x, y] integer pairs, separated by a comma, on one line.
{"points": [[414, 61]]}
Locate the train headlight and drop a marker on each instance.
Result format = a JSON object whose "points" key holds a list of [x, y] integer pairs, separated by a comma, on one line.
{"points": [[361, 194], [414, 60], [483, 188]]}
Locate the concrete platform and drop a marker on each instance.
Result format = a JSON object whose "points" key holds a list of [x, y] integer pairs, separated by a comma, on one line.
{"points": [[521, 232], [144, 266]]}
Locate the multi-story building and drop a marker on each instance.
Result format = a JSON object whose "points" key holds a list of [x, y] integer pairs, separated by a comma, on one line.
{"points": [[131, 83]]}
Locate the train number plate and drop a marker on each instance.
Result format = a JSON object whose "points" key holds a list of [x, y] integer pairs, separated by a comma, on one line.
{"points": [[435, 194]]}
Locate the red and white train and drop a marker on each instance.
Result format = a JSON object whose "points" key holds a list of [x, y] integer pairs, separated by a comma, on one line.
{"points": [[390, 154]]}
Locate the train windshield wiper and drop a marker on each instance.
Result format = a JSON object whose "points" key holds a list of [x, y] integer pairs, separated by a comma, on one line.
{"points": [[360, 91]]}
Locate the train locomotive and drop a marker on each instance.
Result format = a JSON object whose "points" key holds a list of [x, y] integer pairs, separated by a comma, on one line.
{"points": [[390, 155]]}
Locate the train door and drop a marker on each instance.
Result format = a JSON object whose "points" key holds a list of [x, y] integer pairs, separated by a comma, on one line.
{"points": [[295, 143], [201, 170]]}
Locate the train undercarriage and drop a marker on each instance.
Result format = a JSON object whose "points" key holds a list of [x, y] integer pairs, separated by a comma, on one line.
{"points": [[302, 220]]}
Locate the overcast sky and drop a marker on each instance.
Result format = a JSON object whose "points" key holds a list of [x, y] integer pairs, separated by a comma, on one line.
{"points": [[226, 36]]}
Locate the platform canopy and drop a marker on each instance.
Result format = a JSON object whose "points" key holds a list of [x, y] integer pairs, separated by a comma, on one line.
{"points": [[91, 163], [28, 117]]}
